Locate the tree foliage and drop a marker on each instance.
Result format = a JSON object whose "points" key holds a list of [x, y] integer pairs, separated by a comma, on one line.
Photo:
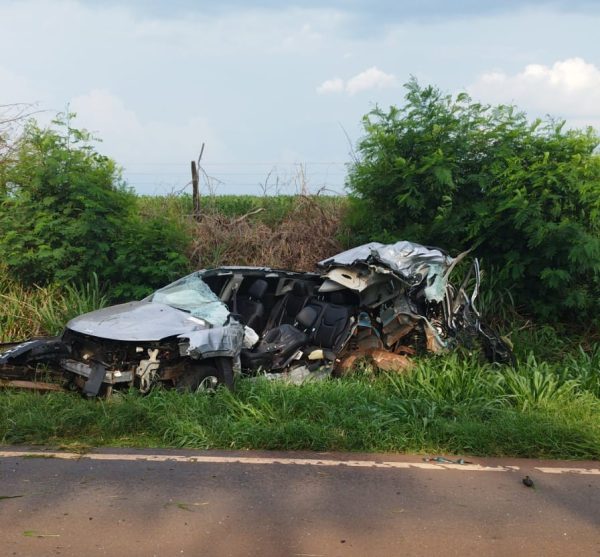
{"points": [[12, 119], [448, 171], [66, 214]]}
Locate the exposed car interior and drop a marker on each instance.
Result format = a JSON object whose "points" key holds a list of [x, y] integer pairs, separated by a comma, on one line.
{"points": [[288, 314]]}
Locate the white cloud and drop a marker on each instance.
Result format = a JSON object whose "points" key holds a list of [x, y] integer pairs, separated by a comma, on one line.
{"points": [[305, 37], [568, 89], [140, 145], [372, 78], [335, 85]]}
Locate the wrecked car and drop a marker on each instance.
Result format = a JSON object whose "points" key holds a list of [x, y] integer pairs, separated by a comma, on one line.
{"points": [[386, 302]]}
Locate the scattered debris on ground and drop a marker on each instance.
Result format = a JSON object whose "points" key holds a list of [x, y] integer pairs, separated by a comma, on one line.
{"points": [[528, 482], [444, 460]]}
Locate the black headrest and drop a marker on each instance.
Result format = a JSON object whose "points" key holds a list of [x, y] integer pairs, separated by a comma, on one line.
{"points": [[258, 289], [307, 316], [299, 289]]}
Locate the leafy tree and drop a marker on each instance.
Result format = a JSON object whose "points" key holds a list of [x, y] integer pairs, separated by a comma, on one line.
{"points": [[525, 195], [149, 254], [63, 208], [12, 118], [66, 214]]}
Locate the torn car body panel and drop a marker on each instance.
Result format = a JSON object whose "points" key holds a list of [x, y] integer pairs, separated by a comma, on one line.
{"points": [[368, 301], [208, 343]]}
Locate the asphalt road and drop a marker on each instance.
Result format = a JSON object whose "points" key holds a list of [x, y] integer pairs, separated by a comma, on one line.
{"points": [[144, 503]]}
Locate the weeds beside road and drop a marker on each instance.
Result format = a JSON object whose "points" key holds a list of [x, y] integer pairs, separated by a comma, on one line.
{"points": [[446, 405]]}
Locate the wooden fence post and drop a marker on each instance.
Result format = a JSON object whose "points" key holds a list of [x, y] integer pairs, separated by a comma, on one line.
{"points": [[195, 192], [196, 185]]}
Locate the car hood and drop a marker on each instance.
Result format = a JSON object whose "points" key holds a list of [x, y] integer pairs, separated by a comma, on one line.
{"points": [[136, 321]]}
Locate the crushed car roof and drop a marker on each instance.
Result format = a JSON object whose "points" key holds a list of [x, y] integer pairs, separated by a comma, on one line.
{"points": [[405, 258]]}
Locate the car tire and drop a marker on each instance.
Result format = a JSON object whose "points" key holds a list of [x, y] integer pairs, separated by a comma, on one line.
{"points": [[206, 378]]}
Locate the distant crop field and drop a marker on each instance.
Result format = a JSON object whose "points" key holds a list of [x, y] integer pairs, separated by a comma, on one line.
{"points": [[272, 209]]}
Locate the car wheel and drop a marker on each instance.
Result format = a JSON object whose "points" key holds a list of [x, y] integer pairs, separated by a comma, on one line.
{"points": [[205, 378]]}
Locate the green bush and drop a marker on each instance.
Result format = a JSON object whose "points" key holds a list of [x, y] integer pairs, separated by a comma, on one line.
{"points": [[149, 254], [66, 215], [448, 171], [63, 207]]}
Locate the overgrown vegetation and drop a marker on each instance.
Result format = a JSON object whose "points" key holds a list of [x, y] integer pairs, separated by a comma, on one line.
{"points": [[285, 232], [448, 171], [446, 405], [36, 311], [66, 215]]}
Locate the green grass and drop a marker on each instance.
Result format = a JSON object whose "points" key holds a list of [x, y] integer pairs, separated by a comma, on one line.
{"points": [[446, 405], [273, 208], [28, 312]]}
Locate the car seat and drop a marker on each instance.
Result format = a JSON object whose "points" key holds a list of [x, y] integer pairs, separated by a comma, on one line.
{"points": [[250, 306]]}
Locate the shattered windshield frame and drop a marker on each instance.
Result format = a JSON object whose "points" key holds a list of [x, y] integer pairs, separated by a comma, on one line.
{"points": [[192, 295]]}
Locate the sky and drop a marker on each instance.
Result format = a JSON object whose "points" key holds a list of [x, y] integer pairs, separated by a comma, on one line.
{"points": [[275, 89]]}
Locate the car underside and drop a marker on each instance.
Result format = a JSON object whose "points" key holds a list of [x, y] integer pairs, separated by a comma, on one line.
{"points": [[381, 302]]}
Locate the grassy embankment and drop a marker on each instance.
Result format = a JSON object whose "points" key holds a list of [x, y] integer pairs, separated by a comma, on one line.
{"points": [[548, 406], [444, 406]]}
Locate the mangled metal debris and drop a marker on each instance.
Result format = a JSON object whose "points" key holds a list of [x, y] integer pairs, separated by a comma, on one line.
{"points": [[383, 303], [382, 359]]}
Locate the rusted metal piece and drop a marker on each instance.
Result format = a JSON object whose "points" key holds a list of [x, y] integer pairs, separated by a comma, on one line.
{"points": [[30, 385], [388, 361], [382, 359], [346, 365], [15, 372], [366, 340], [405, 350], [402, 322]]}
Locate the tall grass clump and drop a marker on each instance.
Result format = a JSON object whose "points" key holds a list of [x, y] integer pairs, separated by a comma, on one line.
{"points": [[584, 367], [445, 386], [537, 384], [34, 311]]}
